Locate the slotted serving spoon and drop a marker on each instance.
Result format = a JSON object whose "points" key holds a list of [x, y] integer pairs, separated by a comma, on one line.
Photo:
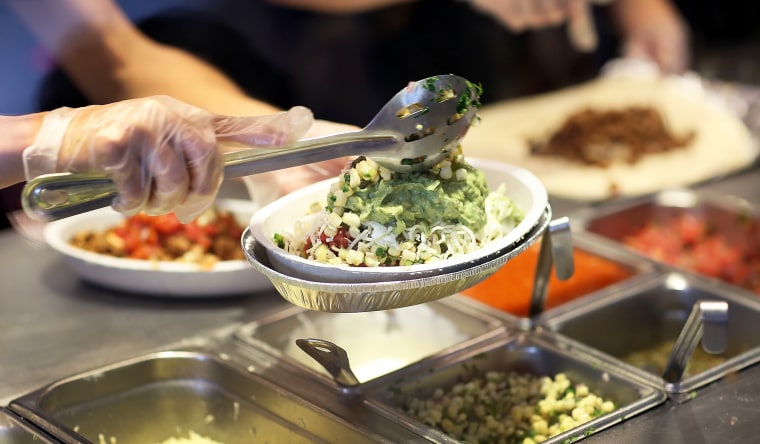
{"points": [[413, 131]]}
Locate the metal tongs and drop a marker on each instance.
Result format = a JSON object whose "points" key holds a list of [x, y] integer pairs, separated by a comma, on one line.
{"points": [[415, 130], [556, 253]]}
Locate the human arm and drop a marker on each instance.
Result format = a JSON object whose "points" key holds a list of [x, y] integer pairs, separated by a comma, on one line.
{"points": [[162, 154], [109, 59], [18, 133], [653, 30], [338, 6]]}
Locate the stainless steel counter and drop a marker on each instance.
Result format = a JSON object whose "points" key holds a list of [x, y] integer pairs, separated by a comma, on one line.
{"points": [[54, 325]]}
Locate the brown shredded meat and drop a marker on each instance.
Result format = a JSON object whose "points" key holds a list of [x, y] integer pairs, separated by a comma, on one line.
{"points": [[601, 137]]}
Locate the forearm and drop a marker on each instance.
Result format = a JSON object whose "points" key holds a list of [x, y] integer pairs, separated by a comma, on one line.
{"points": [[152, 69], [18, 133], [338, 6], [629, 14], [109, 59]]}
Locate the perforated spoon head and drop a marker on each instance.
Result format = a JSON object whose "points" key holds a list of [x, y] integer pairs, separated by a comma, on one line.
{"points": [[432, 115]]}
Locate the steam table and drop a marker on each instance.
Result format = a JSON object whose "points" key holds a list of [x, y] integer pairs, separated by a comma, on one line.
{"points": [[54, 326]]}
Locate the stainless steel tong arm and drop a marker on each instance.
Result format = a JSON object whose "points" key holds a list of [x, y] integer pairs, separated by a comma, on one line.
{"points": [[56, 196]]}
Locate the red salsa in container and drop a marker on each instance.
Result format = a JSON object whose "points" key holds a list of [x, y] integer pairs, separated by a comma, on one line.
{"points": [[690, 242]]}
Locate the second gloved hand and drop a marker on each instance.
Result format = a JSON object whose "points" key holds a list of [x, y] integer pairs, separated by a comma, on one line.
{"points": [[163, 155]]}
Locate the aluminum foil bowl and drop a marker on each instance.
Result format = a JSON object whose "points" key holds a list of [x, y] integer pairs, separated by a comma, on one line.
{"points": [[400, 291], [523, 188]]}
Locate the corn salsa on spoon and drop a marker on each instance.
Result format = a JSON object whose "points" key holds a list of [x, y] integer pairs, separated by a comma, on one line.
{"points": [[413, 131]]}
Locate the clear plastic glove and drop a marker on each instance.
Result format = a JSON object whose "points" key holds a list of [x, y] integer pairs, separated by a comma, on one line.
{"points": [[264, 188], [163, 155], [653, 30]]}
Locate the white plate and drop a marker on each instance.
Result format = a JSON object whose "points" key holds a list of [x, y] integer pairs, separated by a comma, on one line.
{"points": [[167, 279], [522, 187]]}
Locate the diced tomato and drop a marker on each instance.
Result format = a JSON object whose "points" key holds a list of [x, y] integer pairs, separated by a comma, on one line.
{"points": [[141, 252], [197, 235], [167, 224], [341, 238], [691, 229], [687, 242]]}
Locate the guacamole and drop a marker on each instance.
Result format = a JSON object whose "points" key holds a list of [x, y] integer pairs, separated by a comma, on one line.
{"points": [[423, 198]]}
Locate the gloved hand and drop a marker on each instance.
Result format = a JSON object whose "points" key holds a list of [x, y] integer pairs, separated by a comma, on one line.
{"points": [[163, 155], [264, 188]]}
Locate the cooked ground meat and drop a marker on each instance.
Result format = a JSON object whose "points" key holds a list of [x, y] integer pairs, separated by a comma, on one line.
{"points": [[601, 137]]}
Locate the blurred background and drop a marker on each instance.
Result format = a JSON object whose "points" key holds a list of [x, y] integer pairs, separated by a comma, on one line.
{"points": [[725, 45], [25, 64]]}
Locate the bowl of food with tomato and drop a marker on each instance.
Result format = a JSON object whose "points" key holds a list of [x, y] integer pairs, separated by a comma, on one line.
{"points": [[159, 255]]}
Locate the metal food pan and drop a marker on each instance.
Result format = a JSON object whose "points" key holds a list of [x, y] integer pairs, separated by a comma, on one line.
{"points": [[529, 352], [169, 394], [645, 315], [14, 430], [604, 266], [729, 221], [377, 343]]}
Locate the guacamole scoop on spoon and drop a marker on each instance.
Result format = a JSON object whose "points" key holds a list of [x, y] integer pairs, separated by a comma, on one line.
{"points": [[413, 131]]}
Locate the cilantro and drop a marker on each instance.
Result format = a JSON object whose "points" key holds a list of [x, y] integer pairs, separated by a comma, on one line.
{"points": [[279, 240], [430, 83], [470, 98], [570, 389]]}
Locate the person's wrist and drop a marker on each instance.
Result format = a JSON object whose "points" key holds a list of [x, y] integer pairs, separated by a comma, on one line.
{"points": [[41, 157], [18, 133]]}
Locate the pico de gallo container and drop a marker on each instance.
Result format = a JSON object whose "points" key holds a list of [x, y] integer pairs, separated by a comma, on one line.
{"points": [[715, 235]]}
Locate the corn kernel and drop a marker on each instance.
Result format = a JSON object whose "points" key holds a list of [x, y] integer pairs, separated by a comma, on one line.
{"points": [[334, 220], [351, 219], [330, 230], [354, 257]]}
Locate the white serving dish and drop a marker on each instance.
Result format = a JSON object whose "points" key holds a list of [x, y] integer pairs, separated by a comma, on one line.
{"points": [[523, 188], [163, 279]]}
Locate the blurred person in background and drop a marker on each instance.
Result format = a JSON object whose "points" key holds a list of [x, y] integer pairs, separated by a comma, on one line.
{"points": [[342, 59]]}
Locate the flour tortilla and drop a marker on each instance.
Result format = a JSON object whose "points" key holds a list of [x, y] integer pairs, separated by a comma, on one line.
{"points": [[722, 144]]}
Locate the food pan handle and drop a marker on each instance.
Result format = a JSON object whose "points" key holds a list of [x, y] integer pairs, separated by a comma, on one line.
{"points": [[332, 357], [556, 253], [707, 322]]}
